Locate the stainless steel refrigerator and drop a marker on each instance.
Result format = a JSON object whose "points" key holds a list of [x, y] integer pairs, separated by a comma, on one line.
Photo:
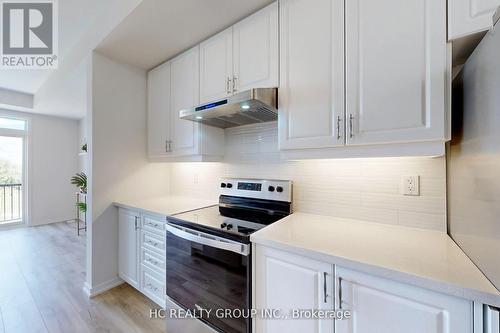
{"points": [[474, 160]]}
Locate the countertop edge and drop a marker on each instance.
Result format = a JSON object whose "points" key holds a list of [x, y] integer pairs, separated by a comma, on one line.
{"points": [[388, 273], [159, 214], [139, 209]]}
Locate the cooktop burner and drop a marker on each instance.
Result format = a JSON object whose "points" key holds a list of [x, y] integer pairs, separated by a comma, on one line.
{"points": [[209, 220], [245, 206]]}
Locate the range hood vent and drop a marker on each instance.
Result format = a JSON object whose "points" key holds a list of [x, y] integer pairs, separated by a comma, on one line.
{"points": [[244, 108]]}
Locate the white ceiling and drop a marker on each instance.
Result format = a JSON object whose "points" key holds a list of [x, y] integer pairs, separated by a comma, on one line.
{"points": [[159, 29], [75, 17]]}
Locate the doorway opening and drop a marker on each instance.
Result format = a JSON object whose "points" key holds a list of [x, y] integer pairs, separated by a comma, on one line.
{"points": [[12, 171]]}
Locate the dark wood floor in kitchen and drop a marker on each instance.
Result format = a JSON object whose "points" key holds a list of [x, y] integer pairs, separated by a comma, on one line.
{"points": [[42, 271]]}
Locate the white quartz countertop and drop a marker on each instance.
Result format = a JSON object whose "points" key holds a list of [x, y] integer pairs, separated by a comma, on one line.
{"points": [[165, 206], [423, 258]]}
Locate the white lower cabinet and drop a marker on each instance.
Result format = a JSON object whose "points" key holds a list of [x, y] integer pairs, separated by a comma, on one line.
{"points": [[141, 253], [381, 305], [287, 281], [128, 246], [153, 285]]}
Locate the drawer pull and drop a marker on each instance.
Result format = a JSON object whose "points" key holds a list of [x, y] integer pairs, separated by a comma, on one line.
{"points": [[154, 262], [150, 286], [155, 244]]}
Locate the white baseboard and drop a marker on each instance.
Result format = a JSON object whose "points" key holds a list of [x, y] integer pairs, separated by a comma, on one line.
{"points": [[102, 287]]}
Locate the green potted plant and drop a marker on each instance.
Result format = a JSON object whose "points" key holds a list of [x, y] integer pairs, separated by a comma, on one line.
{"points": [[80, 181]]}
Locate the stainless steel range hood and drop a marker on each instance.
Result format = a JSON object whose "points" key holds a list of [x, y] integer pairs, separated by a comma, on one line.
{"points": [[244, 108]]}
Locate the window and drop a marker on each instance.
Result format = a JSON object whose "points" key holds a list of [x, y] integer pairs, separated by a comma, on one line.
{"points": [[12, 188], [13, 124]]}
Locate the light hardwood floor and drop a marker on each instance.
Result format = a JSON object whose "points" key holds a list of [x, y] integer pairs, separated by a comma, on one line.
{"points": [[42, 271]]}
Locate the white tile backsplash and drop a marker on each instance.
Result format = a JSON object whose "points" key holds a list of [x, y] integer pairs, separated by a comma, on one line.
{"points": [[366, 189]]}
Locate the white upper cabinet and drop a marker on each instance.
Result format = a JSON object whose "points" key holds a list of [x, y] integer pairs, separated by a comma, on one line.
{"points": [[287, 282], [396, 66], [311, 94], [172, 87], [159, 111], [216, 66], [380, 305], [356, 80], [466, 17], [185, 71], [255, 50], [242, 57]]}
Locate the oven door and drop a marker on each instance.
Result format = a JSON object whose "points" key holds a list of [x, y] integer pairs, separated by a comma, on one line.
{"points": [[211, 273]]}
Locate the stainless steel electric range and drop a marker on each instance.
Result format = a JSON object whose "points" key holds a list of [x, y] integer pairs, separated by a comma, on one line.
{"points": [[208, 259]]}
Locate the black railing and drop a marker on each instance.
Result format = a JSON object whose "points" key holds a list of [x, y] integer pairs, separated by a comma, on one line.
{"points": [[11, 202]]}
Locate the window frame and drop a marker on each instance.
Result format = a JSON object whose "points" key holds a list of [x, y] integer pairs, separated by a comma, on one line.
{"points": [[25, 135]]}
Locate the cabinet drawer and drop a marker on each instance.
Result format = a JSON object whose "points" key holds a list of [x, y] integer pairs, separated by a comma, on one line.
{"points": [[154, 225], [153, 260], [153, 242], [153, 285]]}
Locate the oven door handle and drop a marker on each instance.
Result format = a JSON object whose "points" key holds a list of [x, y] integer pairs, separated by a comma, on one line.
{"points": [[209, 240]]}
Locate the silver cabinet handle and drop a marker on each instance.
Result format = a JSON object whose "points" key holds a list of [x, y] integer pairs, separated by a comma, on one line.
{"points": [[166, 146], [228, 86], [340, 293], [351, 127], [325, 287], [235, 78], [339, 120], [136, 222]]}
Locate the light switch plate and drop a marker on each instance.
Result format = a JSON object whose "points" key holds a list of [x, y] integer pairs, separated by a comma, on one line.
{"points": [[410, 185]]}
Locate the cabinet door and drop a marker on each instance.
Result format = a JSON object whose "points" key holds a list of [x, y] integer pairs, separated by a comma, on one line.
{"points": [[466, 17], [158, 110], [128, 247], [396, 71], [255, 50], [185, 94], [285, 281], [311, 95], [216, 66], [384, 306]]}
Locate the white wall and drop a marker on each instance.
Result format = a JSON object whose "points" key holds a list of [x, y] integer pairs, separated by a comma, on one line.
{"points": [[367, 189], [64, 92], [52, 154], [54, 160], [14, 99], [118, 164]]}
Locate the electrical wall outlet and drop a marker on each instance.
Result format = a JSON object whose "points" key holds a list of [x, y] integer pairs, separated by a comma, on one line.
{"points": [[410, 185]]}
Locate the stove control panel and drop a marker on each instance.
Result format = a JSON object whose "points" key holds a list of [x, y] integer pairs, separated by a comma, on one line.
{"points": [[279, 190]]}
